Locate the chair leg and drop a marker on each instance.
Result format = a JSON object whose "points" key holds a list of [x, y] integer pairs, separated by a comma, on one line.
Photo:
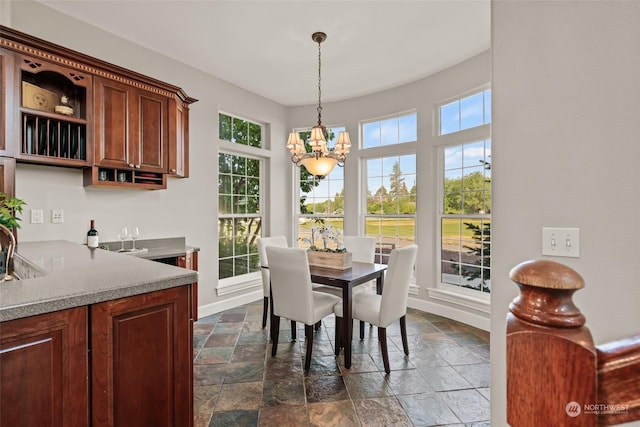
{"points": [[317, 325], [382, 336], [361, 330], [403, 332], [275, 328], [308, 333], [293, 330], [265, 312], [338, 335]]}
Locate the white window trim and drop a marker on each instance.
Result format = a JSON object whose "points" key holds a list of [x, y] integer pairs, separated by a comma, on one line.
{"points": [[243, 282], [457, 295]]}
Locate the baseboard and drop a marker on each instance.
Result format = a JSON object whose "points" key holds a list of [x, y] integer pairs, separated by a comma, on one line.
{"points": [[229, 303], [475, 320]]}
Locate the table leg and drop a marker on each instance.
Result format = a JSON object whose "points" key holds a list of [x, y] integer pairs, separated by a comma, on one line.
{"points": [[347, 323]]}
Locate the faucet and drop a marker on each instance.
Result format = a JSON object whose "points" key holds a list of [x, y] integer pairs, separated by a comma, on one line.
{"points": [[8, 273]]}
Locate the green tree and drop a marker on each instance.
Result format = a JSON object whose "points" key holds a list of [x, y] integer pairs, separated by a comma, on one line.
{"points": [[482, 253]]}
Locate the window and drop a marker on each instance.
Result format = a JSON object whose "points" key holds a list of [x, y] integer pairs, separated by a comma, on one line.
{"points": [[394, 130], [465, 219], [466, 113], [391, 203], [239, 131], [239, 203], [389, 146], [321, 198]]}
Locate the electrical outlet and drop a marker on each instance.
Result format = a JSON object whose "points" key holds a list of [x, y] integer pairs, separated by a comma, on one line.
{"points": [[57, 216], [37, 216], [561, 242]]}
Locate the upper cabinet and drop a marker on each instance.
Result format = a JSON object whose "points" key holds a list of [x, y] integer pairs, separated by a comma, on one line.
{"points": [[64, 108]]}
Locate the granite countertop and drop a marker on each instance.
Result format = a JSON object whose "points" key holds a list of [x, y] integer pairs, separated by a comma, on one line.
{"points": [[65, 275]]}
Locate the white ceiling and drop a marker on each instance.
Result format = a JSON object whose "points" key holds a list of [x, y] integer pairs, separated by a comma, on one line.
{"points": [[266, 47]]}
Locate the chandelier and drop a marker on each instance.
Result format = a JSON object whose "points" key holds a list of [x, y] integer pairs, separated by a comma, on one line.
{"points": [[321, 160]]}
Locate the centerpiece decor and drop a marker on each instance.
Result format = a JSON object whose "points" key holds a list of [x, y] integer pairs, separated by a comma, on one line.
{"points": [[337, 258]]}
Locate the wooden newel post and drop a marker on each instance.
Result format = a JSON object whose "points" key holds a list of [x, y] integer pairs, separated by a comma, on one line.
{"points": [[551, 358]]}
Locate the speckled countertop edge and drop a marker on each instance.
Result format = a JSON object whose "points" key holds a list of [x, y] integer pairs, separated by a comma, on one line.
{"points": [[90, 278]]}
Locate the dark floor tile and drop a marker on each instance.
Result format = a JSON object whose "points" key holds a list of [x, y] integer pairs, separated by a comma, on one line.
{"points": [[239, 418], [459, 356], [227, 328], [384, 411], [239, 396], [283, 392], [427, 358], [333, 414], [427, 409], [359, 363], [325, 389], [202, 328], [482, 351], [213, 355], [468, 405], [478, 375], [242, 372], [367, 385], [283, 416], [408, 382], [208, 374], [221, 340], [467, 338], [397, 361], [323, 365], [450, 326], [232, 317], [282, 368], [444, 378], [198, 341], [249, 353], [205, 398]]}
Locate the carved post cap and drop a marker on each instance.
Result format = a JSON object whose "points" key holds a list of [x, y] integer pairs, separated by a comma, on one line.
{"points": [[546, 288]]}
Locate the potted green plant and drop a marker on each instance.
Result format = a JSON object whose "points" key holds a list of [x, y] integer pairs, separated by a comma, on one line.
{"points": [[10, 207]]}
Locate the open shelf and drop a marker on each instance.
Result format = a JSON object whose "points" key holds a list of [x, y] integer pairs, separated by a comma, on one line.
{"points": [[124, 178]]}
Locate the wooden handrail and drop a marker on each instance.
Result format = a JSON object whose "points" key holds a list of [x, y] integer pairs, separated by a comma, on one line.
{"points": [[556, 376]]}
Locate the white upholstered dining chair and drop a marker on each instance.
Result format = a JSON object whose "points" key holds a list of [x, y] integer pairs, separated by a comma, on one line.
{"points": [[293, 297], [382, 310], [263, 242]]}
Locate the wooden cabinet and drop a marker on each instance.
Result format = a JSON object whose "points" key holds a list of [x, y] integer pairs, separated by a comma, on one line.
{"points": [[44, 369], [132, 127], [46, 135], [179, 143], [141, 358], [132, 355]]}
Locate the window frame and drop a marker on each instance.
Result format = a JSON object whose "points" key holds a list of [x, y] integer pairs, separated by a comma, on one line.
{"points": [[470, 298], [232, 284]]}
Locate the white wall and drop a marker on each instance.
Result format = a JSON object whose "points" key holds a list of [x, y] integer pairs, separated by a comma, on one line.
{"points": [[188, 207], [566, 122]]}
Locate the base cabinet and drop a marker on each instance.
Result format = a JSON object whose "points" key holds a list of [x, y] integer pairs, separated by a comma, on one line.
{"points": [[141, 360], [132, 355], [43, 370]]}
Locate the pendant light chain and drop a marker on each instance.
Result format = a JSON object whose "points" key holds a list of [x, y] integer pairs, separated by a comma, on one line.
{"points": [[319, 86]]}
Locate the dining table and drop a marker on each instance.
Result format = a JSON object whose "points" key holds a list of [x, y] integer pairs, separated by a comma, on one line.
{"points": [[358, 274]]}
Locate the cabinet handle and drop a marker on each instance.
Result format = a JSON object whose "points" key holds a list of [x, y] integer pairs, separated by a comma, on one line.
{"points": [[137, 166], [172, 170], [131, 165]]}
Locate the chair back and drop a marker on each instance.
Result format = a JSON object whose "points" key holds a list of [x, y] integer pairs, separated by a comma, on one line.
{"points": [[363, 249], [263, 242], [291, 284], [395, 291]]}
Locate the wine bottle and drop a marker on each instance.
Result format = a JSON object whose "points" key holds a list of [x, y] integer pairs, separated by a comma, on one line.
{"points": [[92, 236]]}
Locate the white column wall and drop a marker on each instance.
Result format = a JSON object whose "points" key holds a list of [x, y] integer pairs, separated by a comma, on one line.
{"points": [[566, 122]]}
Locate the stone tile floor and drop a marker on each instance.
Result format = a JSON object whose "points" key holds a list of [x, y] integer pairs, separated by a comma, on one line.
{"points": [[443, 381]]}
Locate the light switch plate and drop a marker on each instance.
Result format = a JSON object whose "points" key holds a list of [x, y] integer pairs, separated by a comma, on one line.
{"points": [[37, 216], [562, 242]]}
